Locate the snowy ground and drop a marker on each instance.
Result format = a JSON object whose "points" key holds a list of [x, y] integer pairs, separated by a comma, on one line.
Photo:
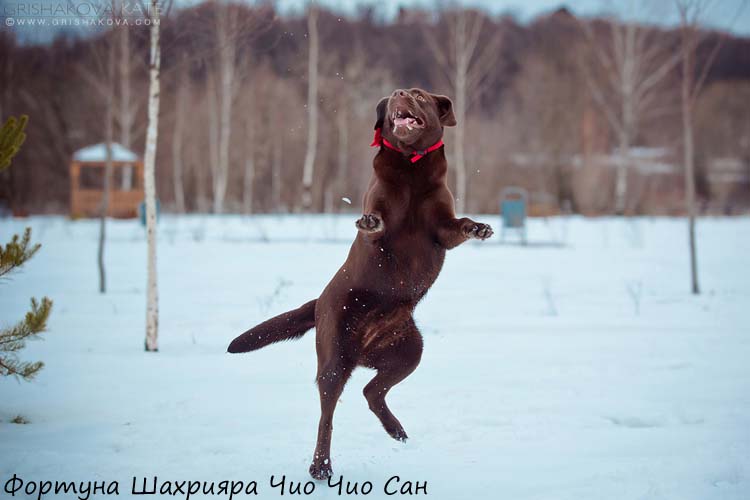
{"points": [[575, 371]]}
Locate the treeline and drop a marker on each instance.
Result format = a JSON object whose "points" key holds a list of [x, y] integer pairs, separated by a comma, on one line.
{"points": [[238, 75]]}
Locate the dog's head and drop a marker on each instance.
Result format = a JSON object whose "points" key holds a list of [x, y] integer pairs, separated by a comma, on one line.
{"points": [[413, 119]]}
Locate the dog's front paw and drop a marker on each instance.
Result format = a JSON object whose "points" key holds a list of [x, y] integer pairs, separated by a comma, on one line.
{"points": [[369, 223], [478, 231], [321, 469]]}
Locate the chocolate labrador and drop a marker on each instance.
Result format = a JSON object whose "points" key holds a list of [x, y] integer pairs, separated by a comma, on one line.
{"points": [[364, 315]]}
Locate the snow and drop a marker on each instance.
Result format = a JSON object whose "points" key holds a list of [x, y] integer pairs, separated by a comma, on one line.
{"points": [[578, 367], [98, 153]]}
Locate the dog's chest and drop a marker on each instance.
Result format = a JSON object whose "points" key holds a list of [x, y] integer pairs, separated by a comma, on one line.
{"points": [[408, 208], [408, 252]]}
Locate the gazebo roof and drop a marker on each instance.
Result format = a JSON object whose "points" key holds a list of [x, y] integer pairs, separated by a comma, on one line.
{"points": [[98, 153]]}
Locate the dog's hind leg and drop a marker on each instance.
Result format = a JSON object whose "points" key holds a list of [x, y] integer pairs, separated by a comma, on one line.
{"points": [[332, 376], [394, 359]]}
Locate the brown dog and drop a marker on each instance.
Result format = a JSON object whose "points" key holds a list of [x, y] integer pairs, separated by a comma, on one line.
{"points": [[364, 315]]}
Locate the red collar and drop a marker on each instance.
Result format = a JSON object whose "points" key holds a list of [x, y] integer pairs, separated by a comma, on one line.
{"points": [[379, 140]]}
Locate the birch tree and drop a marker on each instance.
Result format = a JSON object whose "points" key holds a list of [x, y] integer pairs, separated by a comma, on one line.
{"points": [[623, 76], [249, 89], [342, 157], [277, 161], [213, 129], [226, 33], [178, 133], [312, 106], [277, 92], [152, 295], [465, 64], [249, 174]]}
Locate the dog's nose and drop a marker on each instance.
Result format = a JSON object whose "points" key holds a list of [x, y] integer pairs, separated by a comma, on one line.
{"points": [[399, 93]]}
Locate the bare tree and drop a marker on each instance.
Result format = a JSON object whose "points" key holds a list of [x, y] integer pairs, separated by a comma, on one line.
{"points": [[108, 137], [277, 162], [312, 106], [226, 32], [126, 110], [623, 75], [102, 79], [198, 168], [108, 90], [105, 83], [213, 129], [152, 291], [248, 89], [342, 158], [691, 13], [279, 103], [465, 63], [249, 174], [178, 132], [343, 88], [276, 92]]}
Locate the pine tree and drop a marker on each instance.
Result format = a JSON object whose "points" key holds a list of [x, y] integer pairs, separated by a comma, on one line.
{"points": [[13, 339], [11, 137], [12, 256]]}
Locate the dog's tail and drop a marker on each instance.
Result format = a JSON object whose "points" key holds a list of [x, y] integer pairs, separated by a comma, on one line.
{"points": [[286, 326]]}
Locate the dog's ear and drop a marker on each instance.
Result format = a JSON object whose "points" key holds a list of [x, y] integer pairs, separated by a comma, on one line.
{"points": [[380, 112], [445, 110]]}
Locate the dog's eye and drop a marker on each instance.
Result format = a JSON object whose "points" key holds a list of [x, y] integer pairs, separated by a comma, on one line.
{"points": [[420, 98]]}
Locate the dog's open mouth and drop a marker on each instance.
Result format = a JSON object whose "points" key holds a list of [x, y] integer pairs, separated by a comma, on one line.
{"points": [[402, 118]]}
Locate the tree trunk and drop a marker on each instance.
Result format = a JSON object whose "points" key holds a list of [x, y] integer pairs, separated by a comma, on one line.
{"points": [[460, 84], [621, 174], [247, 188], [625, 134], [177, 135], [465, 66], [276, 165], [126, 106], [460, 158], [312, 109], [629, 70], [198, 169], [225, 33], [213, 134], [152, 294], [108, 137], [689, 151], [328, 198], [343, 156]]}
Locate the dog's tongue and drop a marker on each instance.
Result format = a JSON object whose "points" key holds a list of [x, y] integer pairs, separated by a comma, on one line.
{"points": [[404, 121]]}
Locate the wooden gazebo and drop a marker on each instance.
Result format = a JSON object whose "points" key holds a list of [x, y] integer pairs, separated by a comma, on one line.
{"points": [[87, 182]]}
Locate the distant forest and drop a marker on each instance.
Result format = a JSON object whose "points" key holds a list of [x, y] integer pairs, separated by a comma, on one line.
{"points": [[535, 111]]}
